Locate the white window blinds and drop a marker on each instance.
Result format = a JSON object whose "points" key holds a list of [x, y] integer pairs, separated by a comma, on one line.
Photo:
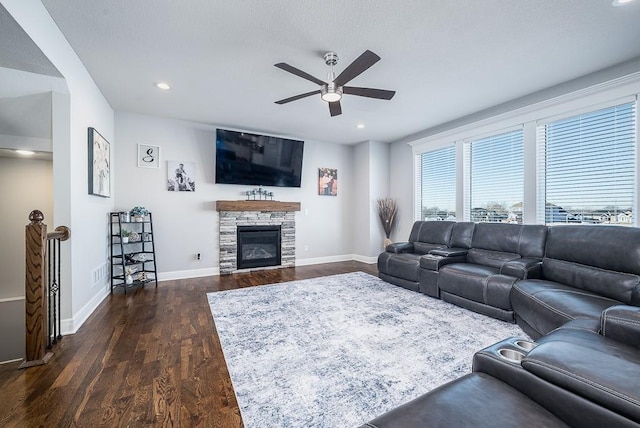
{"points": [[494, 178], [586, 167], [437, 185]]}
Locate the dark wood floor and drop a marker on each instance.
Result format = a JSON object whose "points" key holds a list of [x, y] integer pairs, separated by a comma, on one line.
{"points": [[150, 358]]}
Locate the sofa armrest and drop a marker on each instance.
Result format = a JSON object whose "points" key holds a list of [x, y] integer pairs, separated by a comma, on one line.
{"points": [[434, 262], [621, 323], [449, 252], [400, 247], [524, 268]]}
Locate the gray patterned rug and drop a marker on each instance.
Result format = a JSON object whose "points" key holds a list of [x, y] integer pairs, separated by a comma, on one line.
{"points": [[338, 351]]}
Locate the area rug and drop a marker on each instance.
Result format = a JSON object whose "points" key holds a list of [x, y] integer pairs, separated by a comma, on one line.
{"points": [[339, 350]]}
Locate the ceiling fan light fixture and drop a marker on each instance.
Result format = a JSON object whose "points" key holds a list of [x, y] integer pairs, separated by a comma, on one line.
{"points": [[331, 93]]}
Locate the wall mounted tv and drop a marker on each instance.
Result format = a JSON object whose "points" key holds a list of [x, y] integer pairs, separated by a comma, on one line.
{"points": [[244, 158]]}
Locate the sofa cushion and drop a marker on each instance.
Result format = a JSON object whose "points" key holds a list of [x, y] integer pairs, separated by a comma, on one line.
{"points": [[524, 240], [546, 305], [401, 265], [607, 379], [491, 258], [615, 285], [475, 400], [607, 247], [478, 283], [431, 232]]}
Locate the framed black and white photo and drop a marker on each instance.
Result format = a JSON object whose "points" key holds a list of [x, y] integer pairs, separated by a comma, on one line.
{"points": [[148, 156], [181, 176], [99, 165]]}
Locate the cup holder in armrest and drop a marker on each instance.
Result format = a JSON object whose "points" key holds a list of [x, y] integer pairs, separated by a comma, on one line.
{"points": [[511, 355], [525, 344]]}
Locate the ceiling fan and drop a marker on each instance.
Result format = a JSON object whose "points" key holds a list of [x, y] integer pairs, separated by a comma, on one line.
{"points": [[332, 90]]}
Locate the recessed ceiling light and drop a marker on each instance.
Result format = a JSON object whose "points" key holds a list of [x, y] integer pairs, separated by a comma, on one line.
{"points": [[360, 125], [620, 2], [163, 86], [25, 152]]}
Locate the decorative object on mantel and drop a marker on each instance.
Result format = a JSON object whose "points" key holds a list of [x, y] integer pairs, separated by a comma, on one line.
{"points": [[258, 194], [124, 235], [181, 176], [138, 213], [387, 210], [99, 165], [328, 181]]}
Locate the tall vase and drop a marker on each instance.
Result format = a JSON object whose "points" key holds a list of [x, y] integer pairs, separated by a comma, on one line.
{"points": [[129, 279]]}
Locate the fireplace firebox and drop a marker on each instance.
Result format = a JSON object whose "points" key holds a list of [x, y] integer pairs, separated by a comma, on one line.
{"points": [[259, 246]]}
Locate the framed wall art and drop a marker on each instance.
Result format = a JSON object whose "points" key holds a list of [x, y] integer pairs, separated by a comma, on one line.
{"points": [[181, 176], [99, 165], [148, 156], [328, 181]]}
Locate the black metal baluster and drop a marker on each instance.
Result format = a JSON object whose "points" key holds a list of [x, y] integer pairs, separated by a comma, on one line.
{"points": [[59, 293], [49, 294]]}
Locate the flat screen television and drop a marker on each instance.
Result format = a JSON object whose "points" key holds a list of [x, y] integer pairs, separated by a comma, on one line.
{"points": [[261, 160]]}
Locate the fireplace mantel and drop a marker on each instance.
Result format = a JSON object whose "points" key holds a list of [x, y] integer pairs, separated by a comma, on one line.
{"points": [[257, 206]]}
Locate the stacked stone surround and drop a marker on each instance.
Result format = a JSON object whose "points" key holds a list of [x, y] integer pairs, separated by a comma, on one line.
{"points": [[229, 222]]}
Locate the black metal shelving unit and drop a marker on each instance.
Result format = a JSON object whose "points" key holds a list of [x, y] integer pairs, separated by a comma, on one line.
{"points": [[138, 255]]}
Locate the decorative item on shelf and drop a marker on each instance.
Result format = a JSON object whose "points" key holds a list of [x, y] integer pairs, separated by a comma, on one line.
{"points": [[259, 194], [142, 276], [134, 237], [387, 210], [139, 213], [124, 217], [124, 236], [128, 279], [140, 257], [146, 236]]}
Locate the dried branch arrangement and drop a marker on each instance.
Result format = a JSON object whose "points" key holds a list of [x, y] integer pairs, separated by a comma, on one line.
{"points": [[387, 210]]}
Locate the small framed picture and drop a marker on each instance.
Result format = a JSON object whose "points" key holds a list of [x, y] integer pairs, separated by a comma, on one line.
{"points": [[328, 181], [181, 176], [99, 165], [148, 156]]}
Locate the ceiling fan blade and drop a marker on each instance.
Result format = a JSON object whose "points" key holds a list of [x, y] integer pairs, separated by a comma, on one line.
{"points": [[381, 94], [297, 97], [335, 109], [362, 63], [299, 73]]}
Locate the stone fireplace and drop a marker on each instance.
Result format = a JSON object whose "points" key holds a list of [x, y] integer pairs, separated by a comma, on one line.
{"points": [[235, 215]]}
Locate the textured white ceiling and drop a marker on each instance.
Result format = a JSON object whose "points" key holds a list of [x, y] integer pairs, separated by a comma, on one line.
{"points": [[445, 59]]}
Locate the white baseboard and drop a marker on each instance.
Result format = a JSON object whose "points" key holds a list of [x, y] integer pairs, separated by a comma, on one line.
{"points": [[71, 325], [365, 259], [183, 274], [320, 260]]}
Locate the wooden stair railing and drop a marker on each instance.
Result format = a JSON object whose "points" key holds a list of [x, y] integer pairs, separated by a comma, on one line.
{"points": [[42, 288]]}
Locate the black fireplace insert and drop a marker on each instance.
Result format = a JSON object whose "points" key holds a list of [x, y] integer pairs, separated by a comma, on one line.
{"points": [[258, 246]]}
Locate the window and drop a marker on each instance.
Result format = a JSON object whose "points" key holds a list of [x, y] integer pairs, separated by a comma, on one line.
{"points": [[436, 185], [494, 177], [586, 167]]}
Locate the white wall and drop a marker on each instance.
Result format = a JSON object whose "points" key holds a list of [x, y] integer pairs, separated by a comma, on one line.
{"points": [[186, 223], [401, 188], [371, 169], [25, 185], [83, 107]]}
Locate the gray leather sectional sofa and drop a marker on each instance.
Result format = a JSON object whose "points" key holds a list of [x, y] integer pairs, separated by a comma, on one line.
{"points": [[574, 289]]}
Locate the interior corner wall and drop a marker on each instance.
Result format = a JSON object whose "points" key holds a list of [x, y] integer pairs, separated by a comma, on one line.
{"points": [[186, 223], [85, 214], [371, 169], [401, 188]]}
